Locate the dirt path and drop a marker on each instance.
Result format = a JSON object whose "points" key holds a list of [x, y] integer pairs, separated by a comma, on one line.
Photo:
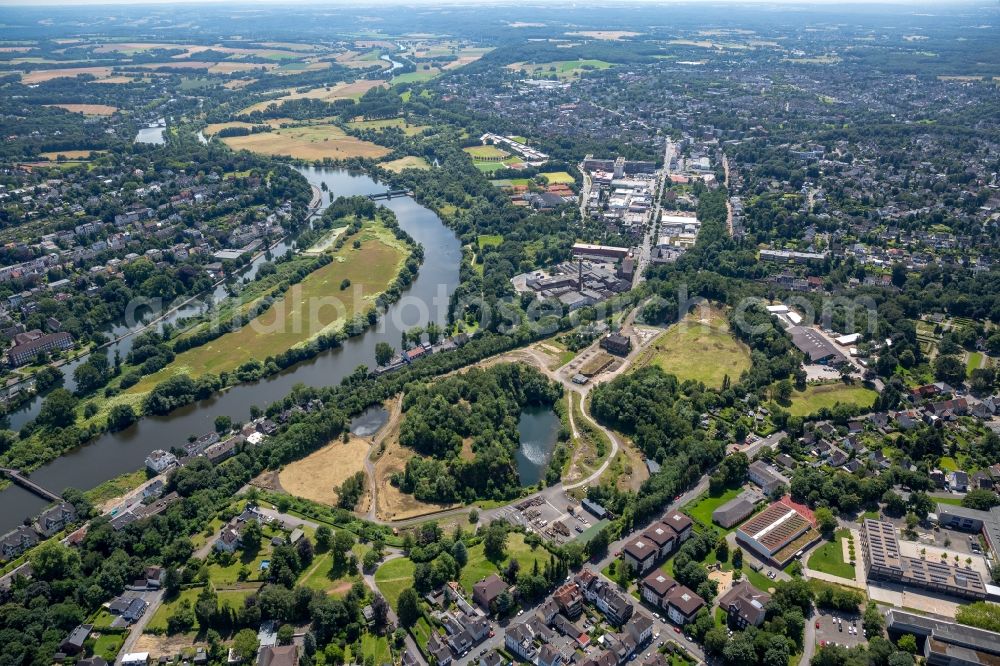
{"points": [[391, 426]]}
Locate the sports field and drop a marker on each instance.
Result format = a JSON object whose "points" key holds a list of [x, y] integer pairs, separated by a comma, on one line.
{"points": [[308, 142], [557, 177], [485, 152], [818, 396], [701, 348]]}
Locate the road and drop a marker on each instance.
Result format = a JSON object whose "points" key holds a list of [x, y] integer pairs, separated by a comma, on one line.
{"points": [[652, 225], [135, 630], [729, 203]]}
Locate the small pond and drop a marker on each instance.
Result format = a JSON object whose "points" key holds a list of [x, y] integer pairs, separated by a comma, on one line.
{"points": [[539, 430]]}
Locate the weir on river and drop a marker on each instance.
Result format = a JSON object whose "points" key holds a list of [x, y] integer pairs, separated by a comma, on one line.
{"points": [[426, 299]]}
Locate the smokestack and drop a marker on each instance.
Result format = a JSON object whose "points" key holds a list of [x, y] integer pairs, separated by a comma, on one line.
{"points": [[579, 279]]}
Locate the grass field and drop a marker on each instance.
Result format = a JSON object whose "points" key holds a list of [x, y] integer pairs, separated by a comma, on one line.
{"points": [[408, 162], [829, 558], [489, 240], [353, 90], [702, 508], [108, 645], [393, 577], [416, 77], [88, 109], [818, 396], [309, 142], [481, 152], [490, 167], [478, 567], [408, 130], [318, 576], [314, 306], [233, 597], [317, 476], [561, 69], [975, 359], [701, 348], [557, 177]]}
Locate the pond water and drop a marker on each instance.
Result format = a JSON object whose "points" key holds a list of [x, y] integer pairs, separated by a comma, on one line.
{"points": [[152, 135], [538, 428], [369, 422]]}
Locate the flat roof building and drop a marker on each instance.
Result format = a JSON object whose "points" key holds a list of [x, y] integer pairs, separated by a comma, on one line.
{"points": [[883, 560]]}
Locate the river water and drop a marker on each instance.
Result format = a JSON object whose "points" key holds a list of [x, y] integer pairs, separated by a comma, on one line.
{"points": [[426, 299]]}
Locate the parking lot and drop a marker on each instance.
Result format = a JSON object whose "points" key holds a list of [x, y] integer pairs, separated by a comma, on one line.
{"points": [[549, 518], [838, 628]]}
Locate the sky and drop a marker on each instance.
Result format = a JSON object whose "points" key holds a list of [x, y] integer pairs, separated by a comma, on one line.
{"points": [[922, 4]]}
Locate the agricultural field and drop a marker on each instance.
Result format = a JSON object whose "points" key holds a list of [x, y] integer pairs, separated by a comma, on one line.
{"points": [[89, 109], [408, 162], [559, 69], [317, 476], [305, 311], [308, 142], [818, 396], [608, 35], [43, 75], [215, 128], [69, 154], [701, 348]]}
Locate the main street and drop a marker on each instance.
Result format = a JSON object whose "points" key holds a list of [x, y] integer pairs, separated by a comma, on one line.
{"points": [[646, 250]]}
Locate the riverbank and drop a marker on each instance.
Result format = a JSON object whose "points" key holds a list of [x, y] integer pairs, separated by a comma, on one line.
{"points": [[112, 454]]}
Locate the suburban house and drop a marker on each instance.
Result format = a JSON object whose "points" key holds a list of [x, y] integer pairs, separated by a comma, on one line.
{"points": [[744, 604], [278, 655], [487, 590], [55, 518], [159, 461], [17, 541]]}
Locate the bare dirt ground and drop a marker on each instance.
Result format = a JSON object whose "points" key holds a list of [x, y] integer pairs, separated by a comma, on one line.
{"points": [[317, 476], [165, 644], [393, 504]]}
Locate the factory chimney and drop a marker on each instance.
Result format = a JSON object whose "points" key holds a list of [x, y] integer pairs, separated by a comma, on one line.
{"points": [[579, 278]]}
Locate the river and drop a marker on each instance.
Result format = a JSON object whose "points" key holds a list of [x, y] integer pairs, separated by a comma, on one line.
{"points": [[427, 298]]}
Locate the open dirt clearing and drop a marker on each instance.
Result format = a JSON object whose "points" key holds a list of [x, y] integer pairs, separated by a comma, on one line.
{"points": [[317, 476]]}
